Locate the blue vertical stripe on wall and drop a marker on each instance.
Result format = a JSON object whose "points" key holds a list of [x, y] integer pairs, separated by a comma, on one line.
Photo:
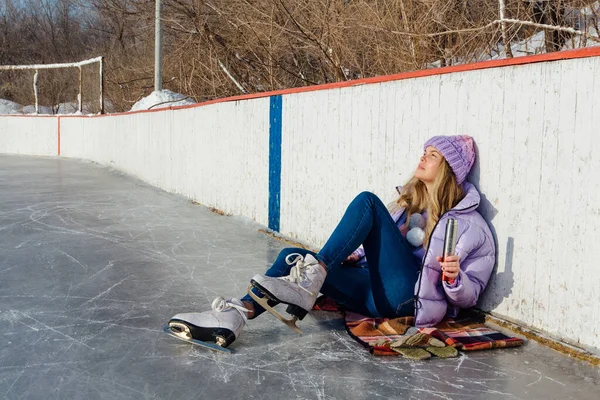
{"points": [[274, 162]]}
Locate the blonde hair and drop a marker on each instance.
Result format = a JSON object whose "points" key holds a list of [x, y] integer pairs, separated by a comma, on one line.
{"points": [[415, 198]]}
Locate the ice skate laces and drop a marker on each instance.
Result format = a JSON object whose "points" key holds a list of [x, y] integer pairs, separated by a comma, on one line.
{"points": [[298, 272], [219, 304]]}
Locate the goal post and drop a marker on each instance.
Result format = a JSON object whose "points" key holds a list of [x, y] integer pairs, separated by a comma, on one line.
{"points": [[37, 67]]}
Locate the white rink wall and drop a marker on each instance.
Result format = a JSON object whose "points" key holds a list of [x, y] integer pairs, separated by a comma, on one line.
{"points": [[27, 135], [214, 154], [535, 126]]}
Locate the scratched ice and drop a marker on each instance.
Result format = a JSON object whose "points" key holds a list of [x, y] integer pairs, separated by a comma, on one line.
{"points": [[93, 263]]}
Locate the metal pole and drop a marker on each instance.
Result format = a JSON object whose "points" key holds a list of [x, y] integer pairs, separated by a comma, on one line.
{"points": [[101, 85], [35, 91], [80, 96], [502, 8], [157, 48]]}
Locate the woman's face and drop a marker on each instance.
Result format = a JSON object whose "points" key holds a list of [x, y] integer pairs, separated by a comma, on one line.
{"points": [[429, 165]]}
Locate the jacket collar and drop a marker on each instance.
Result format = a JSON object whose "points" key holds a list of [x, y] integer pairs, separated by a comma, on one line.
{"points": [[471, 199]]}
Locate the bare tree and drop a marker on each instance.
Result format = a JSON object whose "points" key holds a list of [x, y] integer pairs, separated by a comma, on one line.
{"points": [[216, 48]]}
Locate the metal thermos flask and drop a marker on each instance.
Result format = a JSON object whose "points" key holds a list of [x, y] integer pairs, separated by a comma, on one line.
{"points": [[450, 240]]}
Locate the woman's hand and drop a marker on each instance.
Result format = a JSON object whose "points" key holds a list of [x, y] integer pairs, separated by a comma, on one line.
{"points": [[450, 267], [352, 259]]}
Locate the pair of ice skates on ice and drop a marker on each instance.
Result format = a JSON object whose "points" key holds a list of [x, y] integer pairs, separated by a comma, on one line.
{"points": [[219, 327]]}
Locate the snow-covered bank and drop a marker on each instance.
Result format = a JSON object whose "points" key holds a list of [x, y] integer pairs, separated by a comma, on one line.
{"points": [[9, 107], [161, 99]]}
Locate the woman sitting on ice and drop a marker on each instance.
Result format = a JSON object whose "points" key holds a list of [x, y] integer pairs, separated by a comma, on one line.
{"points": [[397, 276]]}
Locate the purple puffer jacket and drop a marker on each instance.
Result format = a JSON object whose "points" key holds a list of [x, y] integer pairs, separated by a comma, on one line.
{"points": [[476, 250]]}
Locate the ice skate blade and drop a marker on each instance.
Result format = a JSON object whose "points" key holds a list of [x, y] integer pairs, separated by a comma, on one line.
{"points": [[291, 323], [185, 338]]}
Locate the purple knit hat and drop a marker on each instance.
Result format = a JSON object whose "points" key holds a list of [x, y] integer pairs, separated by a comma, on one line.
{"points": [[458, 150]]}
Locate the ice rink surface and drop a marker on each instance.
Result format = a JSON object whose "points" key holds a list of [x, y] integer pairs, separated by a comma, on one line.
{"points": [[93, 263]]}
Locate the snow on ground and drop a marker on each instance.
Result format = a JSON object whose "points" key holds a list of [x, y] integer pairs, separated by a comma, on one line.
{"points": [[160, 99], [9, 107], [73, 108], [535, 44], [31, 110]]}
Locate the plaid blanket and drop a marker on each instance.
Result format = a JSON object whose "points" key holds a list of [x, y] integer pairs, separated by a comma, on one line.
{"points": [[379, 335]]}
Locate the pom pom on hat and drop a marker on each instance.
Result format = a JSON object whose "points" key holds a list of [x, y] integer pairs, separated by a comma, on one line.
{"points": [[459, 152]]}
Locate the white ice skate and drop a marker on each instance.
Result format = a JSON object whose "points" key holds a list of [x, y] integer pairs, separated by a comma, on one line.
{"points": [[216, 329], [299, 290]]}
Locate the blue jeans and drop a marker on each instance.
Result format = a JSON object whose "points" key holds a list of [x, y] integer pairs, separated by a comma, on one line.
{"points": [[384, 287]]}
